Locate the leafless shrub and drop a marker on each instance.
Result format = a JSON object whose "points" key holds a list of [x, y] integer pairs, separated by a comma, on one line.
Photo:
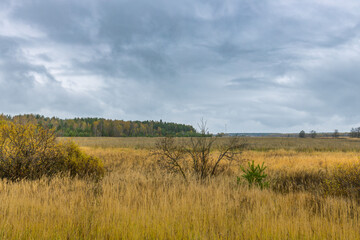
{"points": [[172, 156], [201, 156]]}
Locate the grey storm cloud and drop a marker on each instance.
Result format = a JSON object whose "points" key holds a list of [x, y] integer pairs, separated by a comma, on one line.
{"points": [[254, 66]]}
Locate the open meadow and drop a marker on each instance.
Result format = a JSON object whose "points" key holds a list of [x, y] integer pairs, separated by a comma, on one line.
{"points": [[155, 119], [313, 193]]}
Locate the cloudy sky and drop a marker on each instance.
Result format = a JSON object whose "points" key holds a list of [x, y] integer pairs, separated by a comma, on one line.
{"points": [[252, 66]]}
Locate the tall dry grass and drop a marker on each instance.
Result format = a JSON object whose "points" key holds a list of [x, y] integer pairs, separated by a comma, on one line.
{"points": [[137, 200], [135, 206]]}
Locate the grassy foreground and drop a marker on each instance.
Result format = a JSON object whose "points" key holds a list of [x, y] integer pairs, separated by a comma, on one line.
{"points": [[137, 200]]}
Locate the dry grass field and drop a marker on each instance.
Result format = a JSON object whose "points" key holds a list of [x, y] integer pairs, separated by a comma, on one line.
{"points": [[255, 143], [138, 200]]}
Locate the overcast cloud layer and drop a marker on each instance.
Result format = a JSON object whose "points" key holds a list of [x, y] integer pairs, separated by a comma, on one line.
{"points": [[254, 66]]}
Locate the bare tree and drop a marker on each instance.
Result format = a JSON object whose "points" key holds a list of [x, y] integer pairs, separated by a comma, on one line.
{"points": [[172, 156], [198, 156], [313, 133]]}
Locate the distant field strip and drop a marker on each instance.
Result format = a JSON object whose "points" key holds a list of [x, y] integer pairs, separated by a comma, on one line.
{"points": [[254, 143]]}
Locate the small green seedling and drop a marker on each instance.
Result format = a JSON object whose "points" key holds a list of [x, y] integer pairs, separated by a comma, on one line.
{"points": [[255, 175]]}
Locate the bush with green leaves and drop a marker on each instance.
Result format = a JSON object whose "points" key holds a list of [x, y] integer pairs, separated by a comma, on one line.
{"points": [[255, 175], [31, 152]]}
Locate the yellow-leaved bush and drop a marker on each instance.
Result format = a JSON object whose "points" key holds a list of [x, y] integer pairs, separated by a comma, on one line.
{"points": [[31, 152]]}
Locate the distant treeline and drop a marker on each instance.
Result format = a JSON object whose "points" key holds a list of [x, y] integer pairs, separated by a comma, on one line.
{"points": [[100, 127], [355, 132]]}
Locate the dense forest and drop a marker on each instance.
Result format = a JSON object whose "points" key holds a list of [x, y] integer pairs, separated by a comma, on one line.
{"points": [[100, 127]]}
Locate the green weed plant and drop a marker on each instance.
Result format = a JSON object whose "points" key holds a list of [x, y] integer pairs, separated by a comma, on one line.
{"points": [[255, 175]]}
